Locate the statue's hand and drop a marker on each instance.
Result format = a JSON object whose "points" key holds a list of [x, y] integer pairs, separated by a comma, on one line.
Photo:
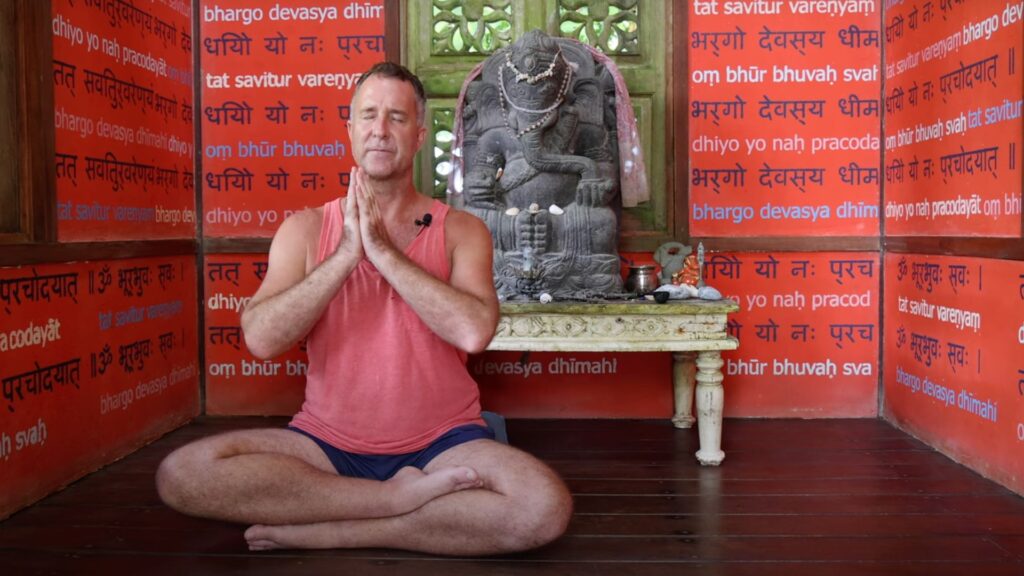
{"points": [[594, 192], [532, 230], [480, 193]]}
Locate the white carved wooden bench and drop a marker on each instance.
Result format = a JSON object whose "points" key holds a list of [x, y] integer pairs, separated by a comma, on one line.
{"points": [[694, 331]]}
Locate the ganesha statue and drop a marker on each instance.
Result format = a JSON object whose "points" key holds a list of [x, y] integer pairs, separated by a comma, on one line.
{"points": [[540, 159]]}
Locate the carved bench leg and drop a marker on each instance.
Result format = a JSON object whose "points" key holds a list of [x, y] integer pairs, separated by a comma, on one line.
{"points": [[709, 400], [683, 371]]}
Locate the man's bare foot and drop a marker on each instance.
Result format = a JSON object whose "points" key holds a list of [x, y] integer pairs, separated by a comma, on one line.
{"points": [[261, 537], [409, 489], [323, 535]]}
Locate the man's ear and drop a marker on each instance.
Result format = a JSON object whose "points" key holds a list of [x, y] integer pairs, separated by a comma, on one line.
{"points": [[421, 136]]}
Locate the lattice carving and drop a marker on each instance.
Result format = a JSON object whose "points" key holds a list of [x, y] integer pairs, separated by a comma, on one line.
{"points": [[442, 122], [611, 26], [461, 27]]}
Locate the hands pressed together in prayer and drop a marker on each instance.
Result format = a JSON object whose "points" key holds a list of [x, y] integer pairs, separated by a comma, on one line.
{"points": [[364, 232]]}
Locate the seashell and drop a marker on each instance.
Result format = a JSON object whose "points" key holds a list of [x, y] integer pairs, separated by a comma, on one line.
{"points": [[534, 208], [512, 211], [545, 298], [554, 209], [708, 293]]}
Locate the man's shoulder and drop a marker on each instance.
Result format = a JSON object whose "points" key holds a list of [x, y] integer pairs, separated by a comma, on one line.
{"points": [[302, 222], [300, 231], [461, 221], [463, 229]]}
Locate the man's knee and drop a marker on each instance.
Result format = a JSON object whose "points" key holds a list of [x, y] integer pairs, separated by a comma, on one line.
{"points": [[544, 515], [556, 513], [176, 475], [168, 478]]}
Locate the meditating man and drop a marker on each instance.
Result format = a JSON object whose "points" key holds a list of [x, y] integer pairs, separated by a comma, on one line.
{"points": [[392, 290]]}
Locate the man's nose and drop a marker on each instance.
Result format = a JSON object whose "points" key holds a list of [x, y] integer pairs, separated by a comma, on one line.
{"points": [[379, 127]]}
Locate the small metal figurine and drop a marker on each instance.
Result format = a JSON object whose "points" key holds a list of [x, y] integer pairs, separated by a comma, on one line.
{"points": [[700, 265]]}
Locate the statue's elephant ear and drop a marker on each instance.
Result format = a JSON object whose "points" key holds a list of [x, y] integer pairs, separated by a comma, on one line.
{"points": [[588, 101], [483, 110], [494, 62], [579, 57]]}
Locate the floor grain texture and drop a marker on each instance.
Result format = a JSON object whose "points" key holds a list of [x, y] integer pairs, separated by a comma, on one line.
{"points": [[794, 497]]}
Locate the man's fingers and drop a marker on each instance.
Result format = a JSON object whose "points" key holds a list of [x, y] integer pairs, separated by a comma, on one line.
{"points": [[350, 203], [351, 217], [364, 185], [353, 178], [351, 199], [367, 201]]}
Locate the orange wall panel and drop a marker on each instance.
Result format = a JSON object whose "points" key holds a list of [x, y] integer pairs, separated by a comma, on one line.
{"points": [[808, 331], [236, 381], [953, 101], [122, 74], [954, 358], [784, 118], [96, 358]]}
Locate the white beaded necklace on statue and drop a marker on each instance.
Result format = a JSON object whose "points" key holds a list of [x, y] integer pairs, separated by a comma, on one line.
{"points": [[519, 77]]}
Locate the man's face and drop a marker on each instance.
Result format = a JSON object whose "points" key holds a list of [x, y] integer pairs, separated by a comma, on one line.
{"points": [[384, 128]]}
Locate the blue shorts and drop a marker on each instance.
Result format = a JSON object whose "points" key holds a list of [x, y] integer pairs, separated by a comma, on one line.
{"points": [[382, 467]]}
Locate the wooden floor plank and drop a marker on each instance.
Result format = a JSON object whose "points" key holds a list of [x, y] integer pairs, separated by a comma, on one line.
{"points": [[779, 504], [952, 494], [851, 525], [776, 549], [591, 548], [107, 515], [283, 564], [1014, 545], [795, 497], [772, 487], [883, 524], [756, 459], [683, 468]]}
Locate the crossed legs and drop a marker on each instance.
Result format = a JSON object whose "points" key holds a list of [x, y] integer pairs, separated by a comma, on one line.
{"points": [[481, 497]]}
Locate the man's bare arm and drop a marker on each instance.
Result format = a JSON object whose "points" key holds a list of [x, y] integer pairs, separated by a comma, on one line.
{"points": [[290, 301]]}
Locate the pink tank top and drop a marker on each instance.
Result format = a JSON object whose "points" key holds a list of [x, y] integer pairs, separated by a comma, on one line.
{"points": [[379, 380]]}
